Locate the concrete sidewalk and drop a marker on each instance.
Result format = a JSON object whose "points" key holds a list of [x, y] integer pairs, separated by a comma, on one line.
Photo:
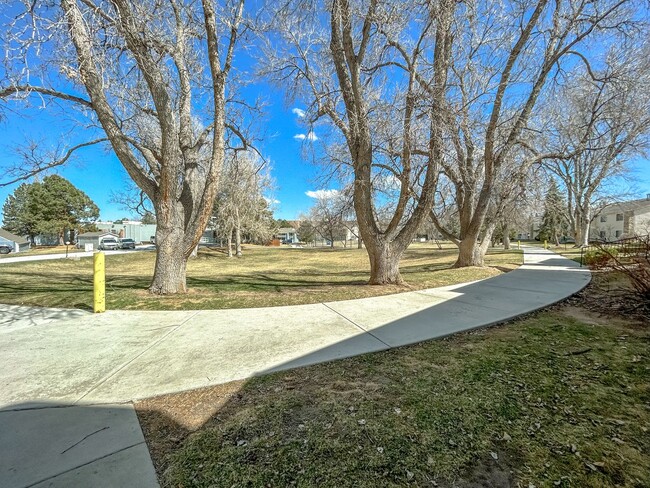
{"points": [[92, 361]]}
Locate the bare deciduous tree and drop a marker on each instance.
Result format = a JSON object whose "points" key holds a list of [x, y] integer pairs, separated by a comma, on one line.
{"points": [[241, 205], [602, 121], [153, 79], [504, 61], [327, 215], [356, 75]]}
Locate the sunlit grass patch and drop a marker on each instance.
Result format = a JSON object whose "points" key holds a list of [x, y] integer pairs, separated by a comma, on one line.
{"points": [[262, 277]]}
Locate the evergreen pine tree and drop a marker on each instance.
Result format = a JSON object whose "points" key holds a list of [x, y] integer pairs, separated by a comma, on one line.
{"points": [[51, 207], [554, 222]]}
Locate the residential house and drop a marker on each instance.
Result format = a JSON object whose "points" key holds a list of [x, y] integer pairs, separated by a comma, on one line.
{"points": [[94, 238], [17, 243], [622, 219], [288, 235], [129, 229]]}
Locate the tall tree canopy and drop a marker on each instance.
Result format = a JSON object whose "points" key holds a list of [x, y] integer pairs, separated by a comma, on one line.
{"points": [[601, 121], [51, 207], [152, 78], [241, 206], [424, 92]]}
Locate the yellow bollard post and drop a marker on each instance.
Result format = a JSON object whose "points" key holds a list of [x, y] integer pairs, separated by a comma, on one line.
{"points": [[99, 283], [518, 244], [545, 244]]}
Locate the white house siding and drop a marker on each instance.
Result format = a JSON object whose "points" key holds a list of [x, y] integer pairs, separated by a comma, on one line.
{"points": [[17, 244], [620, 220]]}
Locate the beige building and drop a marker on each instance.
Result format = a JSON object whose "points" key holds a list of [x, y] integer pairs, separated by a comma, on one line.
{"points": [[621, 220]]}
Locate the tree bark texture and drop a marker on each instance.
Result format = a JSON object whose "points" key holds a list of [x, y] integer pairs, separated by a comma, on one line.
{"points": [[230, 243], [506, 237], [171, 261]]}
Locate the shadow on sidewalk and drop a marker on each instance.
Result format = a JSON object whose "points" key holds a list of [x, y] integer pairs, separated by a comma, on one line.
{"points": [[53, 445]]}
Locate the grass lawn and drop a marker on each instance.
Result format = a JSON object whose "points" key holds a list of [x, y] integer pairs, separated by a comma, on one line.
{"points": [[263, 277], [574, 253], [560, 398]]}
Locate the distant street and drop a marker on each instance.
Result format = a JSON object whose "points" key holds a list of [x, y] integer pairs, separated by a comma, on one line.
{"points": [[72, 255]]}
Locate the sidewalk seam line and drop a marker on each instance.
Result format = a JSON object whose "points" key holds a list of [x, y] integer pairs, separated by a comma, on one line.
{"points": [[153, 344], [71, 405], [85, 464], [356, 325]]}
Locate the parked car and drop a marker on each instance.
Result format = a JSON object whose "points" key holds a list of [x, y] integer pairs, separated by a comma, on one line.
{"points": [[109, 243], [127, 244], [5, 249]]}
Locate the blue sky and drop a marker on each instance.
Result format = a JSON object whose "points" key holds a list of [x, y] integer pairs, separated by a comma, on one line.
{"points": [[98, 172]]}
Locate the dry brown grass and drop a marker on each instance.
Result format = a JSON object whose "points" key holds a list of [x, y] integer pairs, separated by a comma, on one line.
{"points": [[262, 277]]}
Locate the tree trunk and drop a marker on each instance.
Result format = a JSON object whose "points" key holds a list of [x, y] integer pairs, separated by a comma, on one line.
{"points": [[485, 242], [384, 264], [238, 252], [469, 253], [581, 231], [359, 243], [230, 242], [171, 263], [584, 231], [506, 236], [237, 233]]}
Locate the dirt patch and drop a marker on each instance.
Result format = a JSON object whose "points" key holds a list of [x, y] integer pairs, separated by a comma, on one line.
{"points": [[610, 294], [168, 420]]}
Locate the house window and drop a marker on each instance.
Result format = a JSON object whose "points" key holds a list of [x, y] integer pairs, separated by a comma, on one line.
{"points": [[619, 217], [603, 218], [618, 233], [602, 234]]}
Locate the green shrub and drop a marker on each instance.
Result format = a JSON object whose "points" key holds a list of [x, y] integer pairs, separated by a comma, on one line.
{"points": [[600, 257]]}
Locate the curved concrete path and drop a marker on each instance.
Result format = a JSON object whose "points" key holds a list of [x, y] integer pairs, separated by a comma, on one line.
{"points": [[85, 364]]}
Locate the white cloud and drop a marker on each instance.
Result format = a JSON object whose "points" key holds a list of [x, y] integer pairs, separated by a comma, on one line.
{"points": [[299, 112], [322, 194], [272, 201], [310, 136]]}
